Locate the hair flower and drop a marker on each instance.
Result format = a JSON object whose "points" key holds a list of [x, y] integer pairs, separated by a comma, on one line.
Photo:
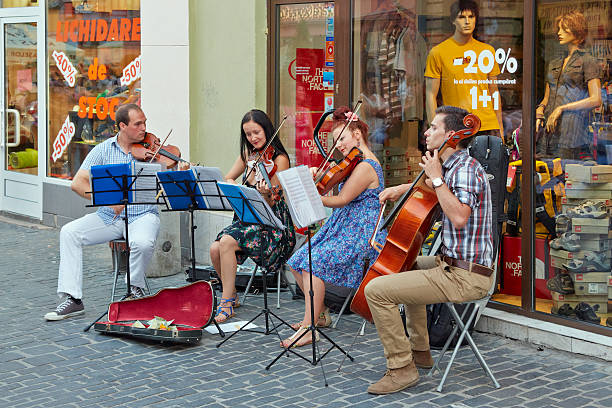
{"points": [[351, 114]]}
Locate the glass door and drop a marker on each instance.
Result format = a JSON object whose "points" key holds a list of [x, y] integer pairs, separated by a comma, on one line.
{"points": [[304, 81], [21, 190]]}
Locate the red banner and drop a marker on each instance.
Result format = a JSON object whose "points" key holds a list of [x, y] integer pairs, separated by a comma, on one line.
{"points": [[309, 104]]}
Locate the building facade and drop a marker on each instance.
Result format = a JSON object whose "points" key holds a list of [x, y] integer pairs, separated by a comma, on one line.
{"points": [[537, 73]]}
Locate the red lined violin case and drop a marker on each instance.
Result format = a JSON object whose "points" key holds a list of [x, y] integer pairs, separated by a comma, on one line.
{"points": [[191, 307]]}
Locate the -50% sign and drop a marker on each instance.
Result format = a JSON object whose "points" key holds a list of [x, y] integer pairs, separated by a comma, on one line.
{"points": [[62, 139], [65, 67], [485, 61], [131, 72]]}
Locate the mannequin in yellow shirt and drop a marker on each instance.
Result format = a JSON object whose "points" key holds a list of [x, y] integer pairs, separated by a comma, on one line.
{"points": [[452, 69]]}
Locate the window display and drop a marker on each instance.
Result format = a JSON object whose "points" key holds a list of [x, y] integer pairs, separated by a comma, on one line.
{"points": [[94, 67], [413, 56]]}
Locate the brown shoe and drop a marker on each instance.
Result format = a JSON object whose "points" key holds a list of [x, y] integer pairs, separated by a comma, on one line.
{"points": [[422, 359], [395, 380]]}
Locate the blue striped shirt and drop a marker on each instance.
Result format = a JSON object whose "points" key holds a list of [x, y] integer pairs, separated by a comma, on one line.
{"points": [[466, 178], [109, 152]]}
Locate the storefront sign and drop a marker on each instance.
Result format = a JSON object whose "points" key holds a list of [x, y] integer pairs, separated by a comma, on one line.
{"points": [[63, 139], [95, 30], [131, 72], [309, 103], [65, 67]]}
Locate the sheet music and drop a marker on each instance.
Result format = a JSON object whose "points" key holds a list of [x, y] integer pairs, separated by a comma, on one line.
{"points": [[209, 188], [145, 187], [303, 199], [241, 197]]}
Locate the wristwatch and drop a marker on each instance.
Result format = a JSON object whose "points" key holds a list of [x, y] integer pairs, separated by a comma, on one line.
{"points": [[437, 182]]}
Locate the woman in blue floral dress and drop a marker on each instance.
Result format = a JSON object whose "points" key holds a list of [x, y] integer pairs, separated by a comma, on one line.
{"points": [[340, 246], [239, 241]]}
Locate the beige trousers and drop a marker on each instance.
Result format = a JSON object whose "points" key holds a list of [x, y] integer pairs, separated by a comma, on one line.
{"points": [[431, 281]]}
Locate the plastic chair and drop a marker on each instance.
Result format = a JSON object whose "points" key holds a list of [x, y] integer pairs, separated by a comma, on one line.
{"points": [[119, 252], [479, 305]]}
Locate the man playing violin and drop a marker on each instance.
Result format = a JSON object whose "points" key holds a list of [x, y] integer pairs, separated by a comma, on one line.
{"points": [[460, 273], [107, 223]]}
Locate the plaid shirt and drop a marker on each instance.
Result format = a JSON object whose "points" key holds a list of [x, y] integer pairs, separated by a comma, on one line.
{"points": [[466, 178], [109, 152]]}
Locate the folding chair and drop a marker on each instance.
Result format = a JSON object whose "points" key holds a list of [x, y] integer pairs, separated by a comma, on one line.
{"points": [[119, 253], [280, 278], [479, 305]]}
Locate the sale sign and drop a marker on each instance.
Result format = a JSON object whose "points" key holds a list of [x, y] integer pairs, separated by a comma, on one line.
{"points": [[65, 67], [63, 139], [131, 72], [310, 103]]}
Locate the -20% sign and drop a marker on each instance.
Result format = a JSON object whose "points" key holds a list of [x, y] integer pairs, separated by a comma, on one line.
{"points": [[131, 72], [63, 139], [65, 67], [485, 61]]}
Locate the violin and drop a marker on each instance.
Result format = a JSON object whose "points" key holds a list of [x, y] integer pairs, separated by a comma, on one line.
{"points": [[265, 154], [339, 172], [327, 180], [168, 155], [411, 221]]}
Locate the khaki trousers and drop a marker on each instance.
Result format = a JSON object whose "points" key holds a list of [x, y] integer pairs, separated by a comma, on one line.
{"points": [[432, 281]]}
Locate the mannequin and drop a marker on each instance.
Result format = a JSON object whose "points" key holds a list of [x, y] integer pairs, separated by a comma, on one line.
{"points": [[573, 88], [443, 73]]}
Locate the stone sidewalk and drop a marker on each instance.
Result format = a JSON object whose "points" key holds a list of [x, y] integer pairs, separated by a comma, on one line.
{"points": [[46, 364]]}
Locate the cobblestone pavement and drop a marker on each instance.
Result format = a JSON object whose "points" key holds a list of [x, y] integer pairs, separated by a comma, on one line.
{"points": [[46, 364]]}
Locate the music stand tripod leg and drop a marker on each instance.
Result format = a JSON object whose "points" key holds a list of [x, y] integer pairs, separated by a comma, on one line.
{"points": [[265, 311], [312, 329]]}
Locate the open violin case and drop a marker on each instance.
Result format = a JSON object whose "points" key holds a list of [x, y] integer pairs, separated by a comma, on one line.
{"points": [[191, 308]]}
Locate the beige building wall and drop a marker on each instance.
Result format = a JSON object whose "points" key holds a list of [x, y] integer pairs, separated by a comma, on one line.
{"points": [[227, 75]]}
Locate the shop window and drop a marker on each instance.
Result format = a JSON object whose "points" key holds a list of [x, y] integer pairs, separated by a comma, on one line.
{"points": [[407, 62], [573, 152], [94, 67], [18, 3]]}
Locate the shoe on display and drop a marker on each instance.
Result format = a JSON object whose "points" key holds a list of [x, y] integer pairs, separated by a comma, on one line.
{"points": [[586, 312], [567, 241], [563, 224], [68, 308], [561, 283], [589, 209], [566, 310]]}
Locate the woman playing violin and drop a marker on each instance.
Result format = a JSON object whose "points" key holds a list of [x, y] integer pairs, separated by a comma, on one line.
{"points": [[239, 241], [340, 246]]}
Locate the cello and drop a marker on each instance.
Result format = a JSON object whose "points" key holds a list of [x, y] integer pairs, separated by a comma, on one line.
{"points": [[411, 220]]}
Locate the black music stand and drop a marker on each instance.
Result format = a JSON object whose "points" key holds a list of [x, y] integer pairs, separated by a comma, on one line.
{"points": [[182, 191], [251, 208], [304, 198], [113, 185], [313, 329]]}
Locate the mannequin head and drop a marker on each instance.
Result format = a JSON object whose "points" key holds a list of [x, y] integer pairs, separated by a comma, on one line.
{"points": [[571, 28], [464, 16]]}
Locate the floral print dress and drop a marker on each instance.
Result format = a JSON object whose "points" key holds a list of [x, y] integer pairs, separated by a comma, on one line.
{"points": [[340, 246]]}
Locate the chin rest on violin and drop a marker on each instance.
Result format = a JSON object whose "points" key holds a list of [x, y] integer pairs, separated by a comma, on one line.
{"points": [[338, 172], [168, 155]]}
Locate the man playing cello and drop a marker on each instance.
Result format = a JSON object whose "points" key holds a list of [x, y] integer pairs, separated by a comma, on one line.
{"points": [[460, 273]]}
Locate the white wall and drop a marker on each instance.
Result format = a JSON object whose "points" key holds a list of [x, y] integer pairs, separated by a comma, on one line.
{"points": [[165, 69]]}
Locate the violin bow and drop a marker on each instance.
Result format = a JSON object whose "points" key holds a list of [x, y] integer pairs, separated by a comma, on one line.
{"points": [[261, 153], [325, 163], [160, 146]]}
